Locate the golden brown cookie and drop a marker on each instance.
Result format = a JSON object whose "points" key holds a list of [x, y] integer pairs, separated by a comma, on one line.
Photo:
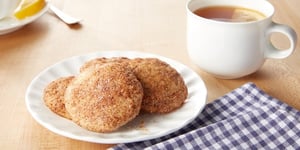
{"points": [[164, 88], [104, 98], [102, 60], [54, 96]]}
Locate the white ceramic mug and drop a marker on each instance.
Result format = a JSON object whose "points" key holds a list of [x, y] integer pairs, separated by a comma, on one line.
{"points": [[234, 49], [7, 7]]}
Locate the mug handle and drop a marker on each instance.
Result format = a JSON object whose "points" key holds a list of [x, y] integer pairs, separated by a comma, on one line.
{"points": [[273, 52]]}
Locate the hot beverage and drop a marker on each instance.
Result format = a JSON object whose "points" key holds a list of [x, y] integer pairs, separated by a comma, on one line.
{"points": [[229, 14]]}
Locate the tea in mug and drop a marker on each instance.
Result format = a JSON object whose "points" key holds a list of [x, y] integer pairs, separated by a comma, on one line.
{"points": [[229, 14]]}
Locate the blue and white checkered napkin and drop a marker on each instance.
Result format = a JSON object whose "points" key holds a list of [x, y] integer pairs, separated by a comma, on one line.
{"points": [[246, 118]]}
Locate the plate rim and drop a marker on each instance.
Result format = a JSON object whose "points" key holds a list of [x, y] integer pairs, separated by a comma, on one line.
{"points": [[92, 55]]}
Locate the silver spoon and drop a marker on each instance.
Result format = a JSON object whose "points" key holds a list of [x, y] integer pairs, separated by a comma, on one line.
{"points": [[63, 16]]}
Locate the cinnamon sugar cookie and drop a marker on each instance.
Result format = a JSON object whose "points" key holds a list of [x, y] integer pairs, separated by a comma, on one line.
{"points": [[54, 96], [104, 98], [96, 62], [164, 88]]}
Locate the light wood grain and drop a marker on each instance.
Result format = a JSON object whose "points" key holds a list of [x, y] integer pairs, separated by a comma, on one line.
{"points": [[155, 26]]}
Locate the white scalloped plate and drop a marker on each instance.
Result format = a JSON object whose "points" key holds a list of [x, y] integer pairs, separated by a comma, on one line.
{"points": [[10, 24], [144, 127]]}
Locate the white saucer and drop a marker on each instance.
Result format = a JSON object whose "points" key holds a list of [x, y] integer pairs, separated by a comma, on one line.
{"points": [[10, 24]]}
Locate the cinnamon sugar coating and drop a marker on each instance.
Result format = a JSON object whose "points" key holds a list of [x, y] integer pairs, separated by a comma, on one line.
{"points": [[104, 98], [164, 88], [54, 96]]}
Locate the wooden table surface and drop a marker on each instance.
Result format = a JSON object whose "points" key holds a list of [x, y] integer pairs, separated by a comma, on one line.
{"points": [[154, 26]]}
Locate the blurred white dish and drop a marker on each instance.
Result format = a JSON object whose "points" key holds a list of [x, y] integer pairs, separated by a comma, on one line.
{"points": [[10, 24], [7, 7], [144, 127]]}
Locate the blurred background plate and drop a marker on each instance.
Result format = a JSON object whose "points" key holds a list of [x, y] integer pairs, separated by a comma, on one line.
{"points": [[10, 24]]}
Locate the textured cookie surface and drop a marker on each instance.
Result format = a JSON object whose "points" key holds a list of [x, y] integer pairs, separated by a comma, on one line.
{"points": [[97, 62], [164, 88], [104, 98], [54, 96]]}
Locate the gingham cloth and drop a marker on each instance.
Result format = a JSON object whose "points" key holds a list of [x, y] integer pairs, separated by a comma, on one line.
{"points": [[246, 118]]}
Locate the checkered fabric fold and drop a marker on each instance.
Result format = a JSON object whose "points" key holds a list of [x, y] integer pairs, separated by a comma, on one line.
{"points": [[246, 118]]}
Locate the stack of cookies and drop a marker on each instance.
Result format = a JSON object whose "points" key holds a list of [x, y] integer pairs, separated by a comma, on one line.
{"points": [[110, 92]]}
